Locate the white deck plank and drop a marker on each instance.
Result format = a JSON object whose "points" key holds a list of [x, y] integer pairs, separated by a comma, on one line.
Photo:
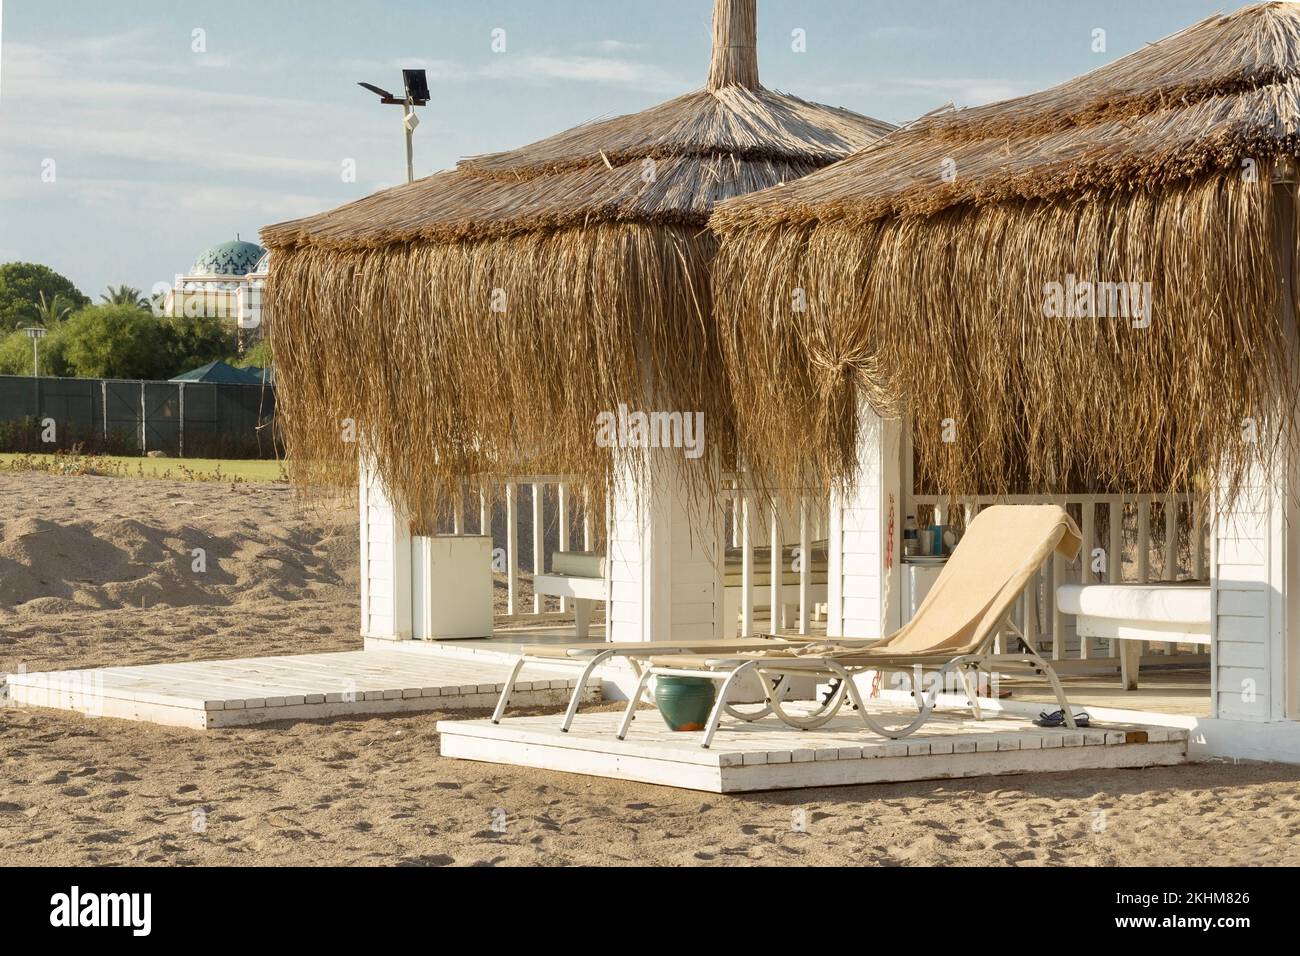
{"points": [[254, 690], [767, 755]]}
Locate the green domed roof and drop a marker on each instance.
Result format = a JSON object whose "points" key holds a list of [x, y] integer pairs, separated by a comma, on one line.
{"points": [[235, 258]]}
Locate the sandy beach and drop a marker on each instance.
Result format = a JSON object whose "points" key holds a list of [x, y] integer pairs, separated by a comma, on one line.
{"points": [[96, 571]]}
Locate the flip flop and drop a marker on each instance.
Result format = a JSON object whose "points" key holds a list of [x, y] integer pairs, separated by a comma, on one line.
{"points": [[1057, 719]]}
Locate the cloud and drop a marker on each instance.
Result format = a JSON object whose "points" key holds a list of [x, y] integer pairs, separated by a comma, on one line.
{"points": [[585, 69], [531, 69], [961, 91], [84, 114]]}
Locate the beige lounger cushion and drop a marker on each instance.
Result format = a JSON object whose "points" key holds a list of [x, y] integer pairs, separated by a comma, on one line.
{"points": [[1003, 547]]}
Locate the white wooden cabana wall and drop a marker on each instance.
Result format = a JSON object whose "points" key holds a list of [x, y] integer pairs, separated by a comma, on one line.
{"points": [[864, 550], [665, 575], [1253, 567], [385, 563]]}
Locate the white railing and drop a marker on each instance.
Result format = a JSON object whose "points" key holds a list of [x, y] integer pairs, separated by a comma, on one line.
{"points": [[569, 511], [1039, 613], [747, 522]]}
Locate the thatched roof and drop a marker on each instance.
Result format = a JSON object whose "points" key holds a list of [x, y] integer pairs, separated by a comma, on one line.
{"points": [[1197, 102], [594, 242], [705, 146], [925, 259]]}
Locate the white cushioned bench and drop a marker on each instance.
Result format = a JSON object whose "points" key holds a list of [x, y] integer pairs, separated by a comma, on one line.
{"points": [[1168, 612]]}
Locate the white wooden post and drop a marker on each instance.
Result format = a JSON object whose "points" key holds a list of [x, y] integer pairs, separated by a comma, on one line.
{"points": [[1171, 550], [458, 509], [1144, 551], [512, 546], [588, 532], [385, 561], [539, 544], [666, 568], [775, 566], [1115, 553], [805, 565], [865, 536], [1031, 614], [562, 503], [1198, 540], [746, 569], [1058, 619], [1085, 561]]}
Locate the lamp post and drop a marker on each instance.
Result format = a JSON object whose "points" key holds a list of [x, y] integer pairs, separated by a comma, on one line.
{"points": [[417, 94], [35, 333]]}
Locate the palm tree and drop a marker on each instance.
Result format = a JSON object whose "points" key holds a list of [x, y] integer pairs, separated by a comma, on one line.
{"points": [[125, 295], [52, 312]]}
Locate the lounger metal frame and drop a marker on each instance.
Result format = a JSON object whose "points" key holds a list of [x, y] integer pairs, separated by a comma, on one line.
{"points": [[730, 671], [592, 658]]}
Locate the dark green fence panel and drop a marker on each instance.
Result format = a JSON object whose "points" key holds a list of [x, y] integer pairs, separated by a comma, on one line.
{"points": [[185, 419]]}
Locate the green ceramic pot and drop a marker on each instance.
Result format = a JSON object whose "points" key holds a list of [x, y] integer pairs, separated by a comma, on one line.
{"points": [[685, 702]]}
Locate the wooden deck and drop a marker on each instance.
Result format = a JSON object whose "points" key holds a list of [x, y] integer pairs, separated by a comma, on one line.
{"points": [[766, 755], [257, 690]]}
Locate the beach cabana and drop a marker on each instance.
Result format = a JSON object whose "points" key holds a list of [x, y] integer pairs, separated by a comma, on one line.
{"points": [[499, 325], [1083, 297]]}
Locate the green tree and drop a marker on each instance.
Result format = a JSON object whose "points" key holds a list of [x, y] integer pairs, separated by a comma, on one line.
{"points": [[16, 353], [21, 286], [50, 313], [116, 341], [258, 356], [124, 295], [194, 340]]}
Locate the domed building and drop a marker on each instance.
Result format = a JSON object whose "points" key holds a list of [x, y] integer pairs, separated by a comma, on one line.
{"points": [[225, 281]]}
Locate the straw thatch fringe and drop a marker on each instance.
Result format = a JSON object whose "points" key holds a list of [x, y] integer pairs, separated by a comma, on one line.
{"points": [[404, 341], [943, 319]]}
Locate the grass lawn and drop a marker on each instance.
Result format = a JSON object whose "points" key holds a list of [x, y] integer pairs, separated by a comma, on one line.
{"points": [[193, 469]]}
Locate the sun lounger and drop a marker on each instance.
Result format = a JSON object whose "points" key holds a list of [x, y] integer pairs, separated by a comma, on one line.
{"points": [[952, 632], [590, 655]]}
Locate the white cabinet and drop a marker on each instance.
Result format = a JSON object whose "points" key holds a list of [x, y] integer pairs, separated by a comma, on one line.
{"points": [[917, 581], [451, 591]]}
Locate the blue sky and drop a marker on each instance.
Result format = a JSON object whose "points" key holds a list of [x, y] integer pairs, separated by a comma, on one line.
{"points": [[160, 151]]}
